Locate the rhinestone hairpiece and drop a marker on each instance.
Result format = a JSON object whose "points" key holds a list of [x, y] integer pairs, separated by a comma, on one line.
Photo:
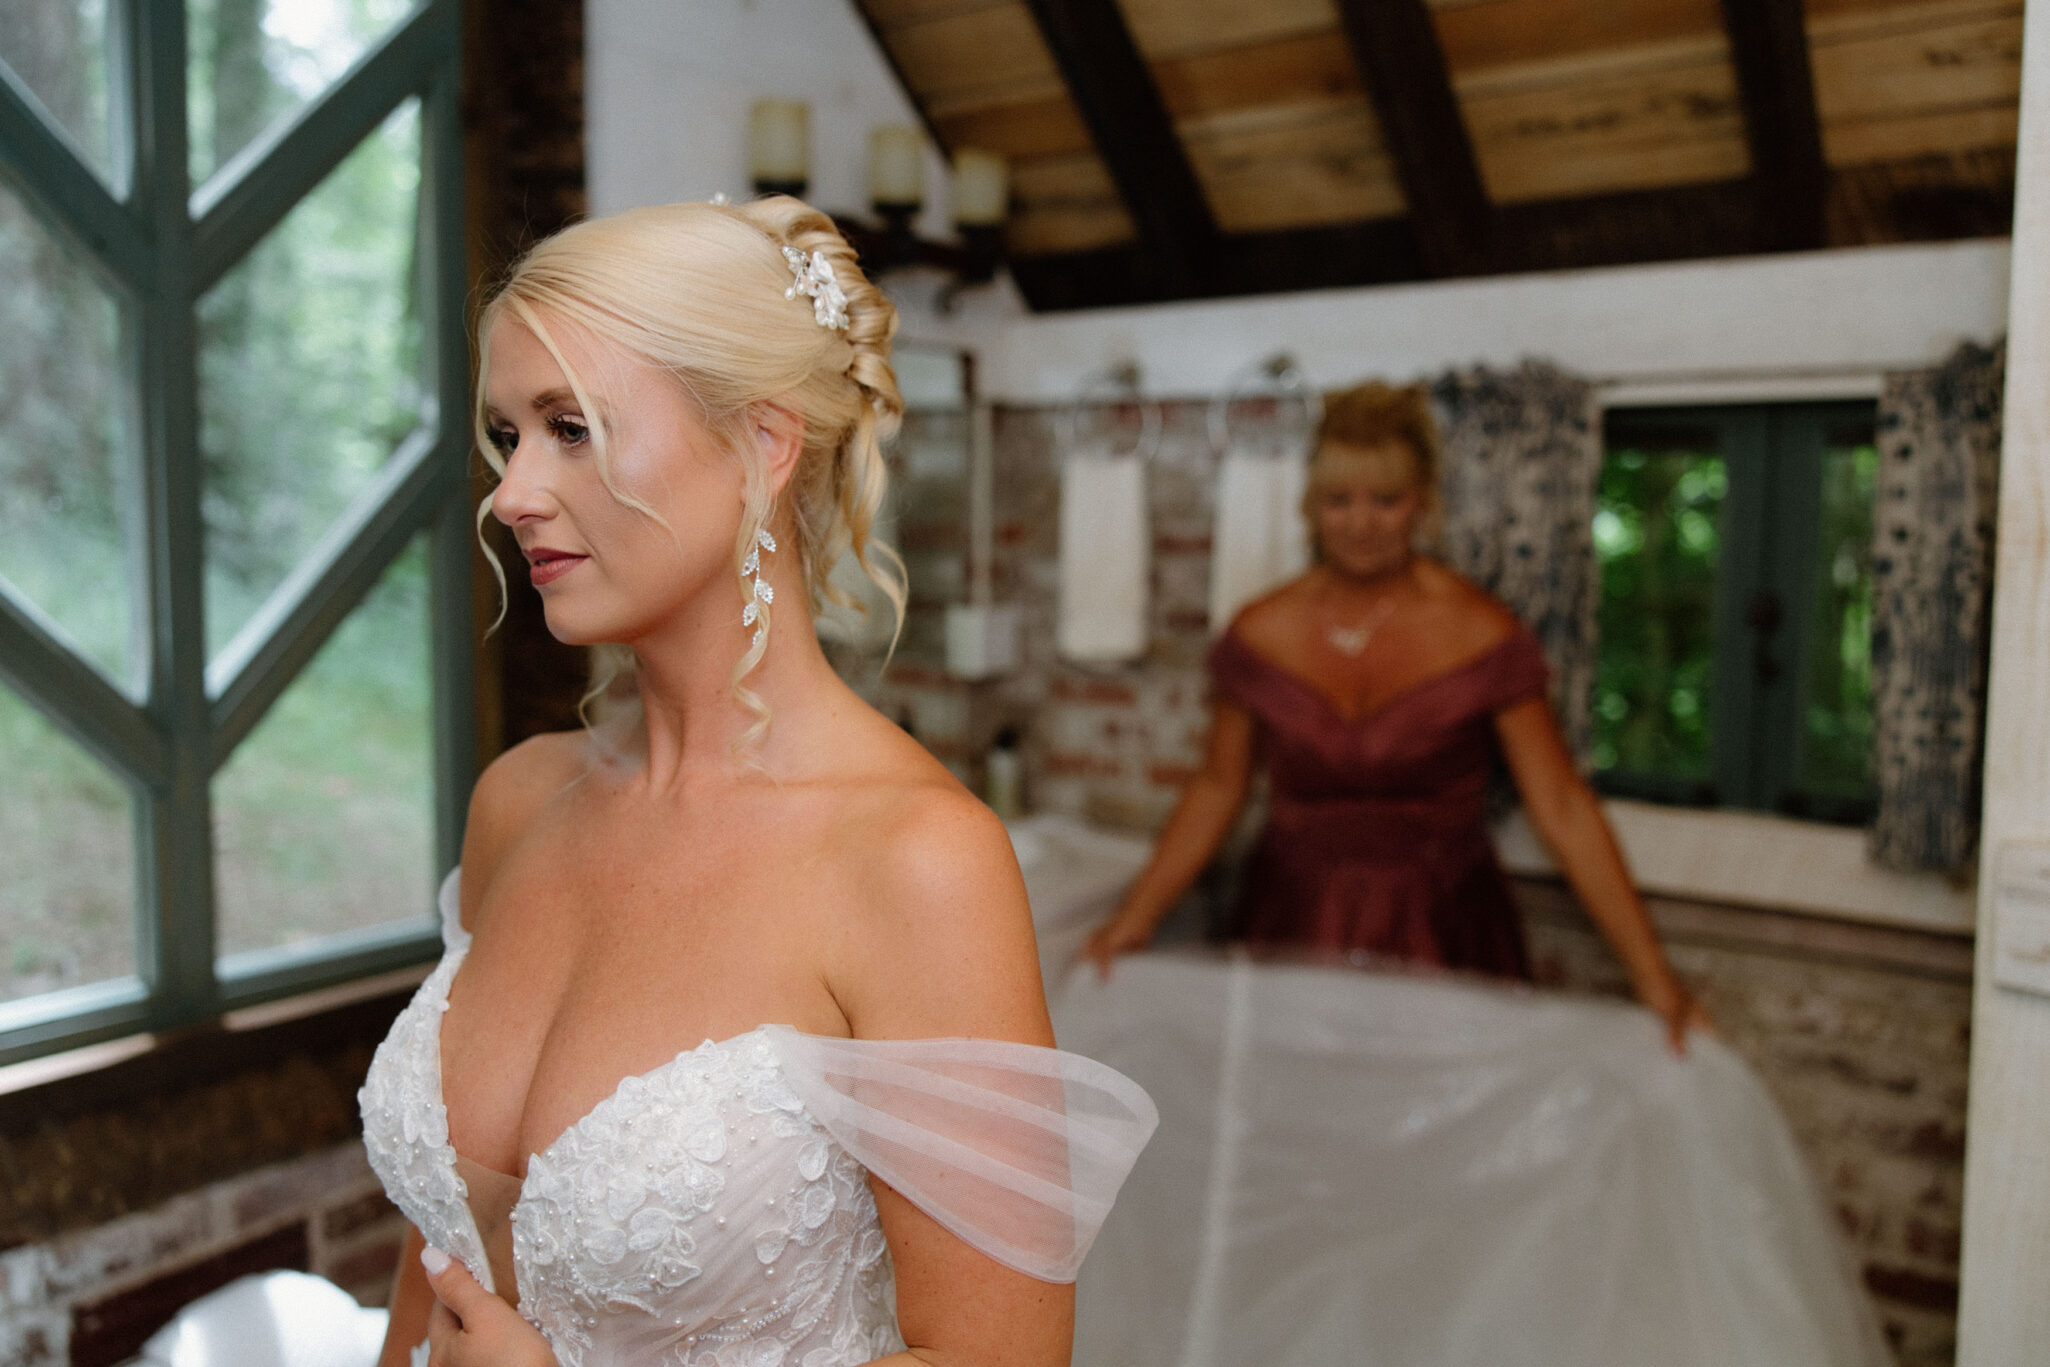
{"points": [[815, 280]]}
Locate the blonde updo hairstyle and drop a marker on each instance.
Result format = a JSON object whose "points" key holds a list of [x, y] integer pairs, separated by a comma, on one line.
{"points": [[699, 291], [1359, 429]]}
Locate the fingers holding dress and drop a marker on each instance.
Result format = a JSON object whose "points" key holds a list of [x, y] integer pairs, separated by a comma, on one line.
{"points": [[471, 1327], [1680, 1010]]}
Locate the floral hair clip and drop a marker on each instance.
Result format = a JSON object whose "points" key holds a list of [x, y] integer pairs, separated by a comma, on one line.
{"points": [[815, 280]]}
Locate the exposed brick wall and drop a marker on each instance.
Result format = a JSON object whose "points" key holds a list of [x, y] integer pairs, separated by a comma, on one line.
{"points": [[1862, 1034], [63, 1176], [929, 497], [1115, 743], [67, 1299]]}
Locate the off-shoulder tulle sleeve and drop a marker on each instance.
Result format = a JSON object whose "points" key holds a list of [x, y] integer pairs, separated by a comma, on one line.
{"points": [[1016, 1149], [450, 902]]}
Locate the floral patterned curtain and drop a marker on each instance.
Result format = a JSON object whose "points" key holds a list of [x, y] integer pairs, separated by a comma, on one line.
{"points": [[1932, 583], [1523, 454]]}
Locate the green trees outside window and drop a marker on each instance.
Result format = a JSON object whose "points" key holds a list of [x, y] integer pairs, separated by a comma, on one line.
{"points": [[234, 605], [1736, 612]]}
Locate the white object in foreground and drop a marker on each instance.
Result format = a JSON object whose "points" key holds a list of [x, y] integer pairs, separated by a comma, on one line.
{"points": [[271, 1319], [1366, 1169]]}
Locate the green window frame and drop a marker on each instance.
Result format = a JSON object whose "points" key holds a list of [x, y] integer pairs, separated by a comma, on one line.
{"points": [[1768, 539], [158, 245]]}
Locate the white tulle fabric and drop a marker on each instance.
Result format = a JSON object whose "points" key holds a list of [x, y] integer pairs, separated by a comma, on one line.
{"points": [[1385, 1171], [715, 1211], [1017, 1150]]}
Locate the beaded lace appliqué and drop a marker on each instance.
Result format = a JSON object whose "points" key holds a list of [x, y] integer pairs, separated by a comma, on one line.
{"points": [[697, 1217], [716, 1210], [405, 1126], [706, 1170]]}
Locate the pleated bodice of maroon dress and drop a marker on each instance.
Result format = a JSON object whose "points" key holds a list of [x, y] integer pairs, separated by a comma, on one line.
{"points": [[1377, 836]]}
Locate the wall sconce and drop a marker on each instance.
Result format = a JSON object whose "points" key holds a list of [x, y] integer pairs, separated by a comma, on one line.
{"points": [[896, 175], [978, 200], [779, 147], [982, 191], [779, 163]]}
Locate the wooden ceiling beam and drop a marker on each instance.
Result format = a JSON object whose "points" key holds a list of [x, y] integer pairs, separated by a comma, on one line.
{"points": [[1631, 227], [1379, 252], [1769, 48], [1395, 46], [882, 41], [1921, 199], [1682, 223], [1112, 86]]}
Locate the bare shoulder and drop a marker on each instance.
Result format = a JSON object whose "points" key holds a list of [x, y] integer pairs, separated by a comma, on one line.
{"points": [[1470, 614], [509, 794], [907, 830], [937, 844], [941, 943], [515, 785], [1273, 622]]}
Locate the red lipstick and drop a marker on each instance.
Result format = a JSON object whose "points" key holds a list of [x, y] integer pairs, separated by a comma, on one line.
{"points": [[548, 565]]}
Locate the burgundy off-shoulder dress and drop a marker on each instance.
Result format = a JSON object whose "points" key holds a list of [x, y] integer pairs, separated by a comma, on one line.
{"points": [[1377, 837]]}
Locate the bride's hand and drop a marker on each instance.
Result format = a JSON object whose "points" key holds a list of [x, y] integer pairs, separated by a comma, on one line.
{"points": [[470, 1327]]}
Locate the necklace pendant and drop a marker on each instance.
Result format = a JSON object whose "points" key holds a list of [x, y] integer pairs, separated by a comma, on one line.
{"points": [[1350, 642]]}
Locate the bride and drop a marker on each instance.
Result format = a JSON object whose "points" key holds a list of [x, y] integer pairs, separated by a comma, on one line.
{"points": [[875, 1144]]}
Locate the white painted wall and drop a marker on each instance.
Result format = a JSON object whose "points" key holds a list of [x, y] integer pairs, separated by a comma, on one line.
{"points": [[669, 83], [2004, 1317], [1751, 327], [668, 87]]}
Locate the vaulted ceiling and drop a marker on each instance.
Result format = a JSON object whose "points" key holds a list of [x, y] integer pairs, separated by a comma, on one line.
{"points": [[1166, 149]]}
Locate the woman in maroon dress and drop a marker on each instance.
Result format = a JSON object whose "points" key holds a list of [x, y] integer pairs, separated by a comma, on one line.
{"points": [[1379, 690]]}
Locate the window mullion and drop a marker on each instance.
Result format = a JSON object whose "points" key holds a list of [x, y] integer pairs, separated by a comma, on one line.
{"points": [[266, 657], [266, 180], [175, 844], [74, 695], [443, 289], [1734, 708], [156, 254], [64, 193], [1792, 532]]}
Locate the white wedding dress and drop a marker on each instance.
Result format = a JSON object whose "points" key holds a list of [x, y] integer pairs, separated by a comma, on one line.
{"points": [[715, 1211]]}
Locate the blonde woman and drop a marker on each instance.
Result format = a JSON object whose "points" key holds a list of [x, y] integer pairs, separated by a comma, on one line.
{"points": [[738, 1053], [1380, 689]]}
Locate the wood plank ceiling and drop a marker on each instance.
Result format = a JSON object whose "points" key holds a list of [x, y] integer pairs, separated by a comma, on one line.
{"points": [[1167, 149]]}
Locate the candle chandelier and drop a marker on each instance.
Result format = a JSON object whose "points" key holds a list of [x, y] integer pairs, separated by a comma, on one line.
{"points": [[779, 162]]}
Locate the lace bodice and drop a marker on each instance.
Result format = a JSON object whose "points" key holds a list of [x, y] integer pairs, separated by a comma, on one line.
{"points": [[715, 1211]]}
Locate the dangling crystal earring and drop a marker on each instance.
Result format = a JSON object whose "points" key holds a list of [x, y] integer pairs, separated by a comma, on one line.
{"points": [[764, 591]]}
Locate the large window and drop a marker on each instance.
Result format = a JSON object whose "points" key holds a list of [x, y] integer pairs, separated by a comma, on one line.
{"points": [[234, 611], [1736, 614]]}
